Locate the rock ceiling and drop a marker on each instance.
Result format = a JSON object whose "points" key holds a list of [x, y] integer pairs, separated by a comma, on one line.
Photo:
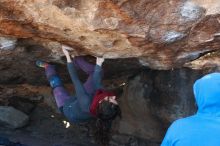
{"points": [[162, 34]]}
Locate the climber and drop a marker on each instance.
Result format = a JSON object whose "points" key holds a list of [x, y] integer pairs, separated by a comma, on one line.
{"points": [[203, 128], [91, 100]]}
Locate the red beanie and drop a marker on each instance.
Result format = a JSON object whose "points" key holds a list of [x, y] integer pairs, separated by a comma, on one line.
{"points": [[99, 95]]}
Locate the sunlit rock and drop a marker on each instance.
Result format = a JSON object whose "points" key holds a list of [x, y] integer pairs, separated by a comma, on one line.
{"points": [[154, 30]]}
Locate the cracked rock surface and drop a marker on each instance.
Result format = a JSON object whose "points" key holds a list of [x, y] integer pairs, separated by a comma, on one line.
{"points": [[162, 34]]}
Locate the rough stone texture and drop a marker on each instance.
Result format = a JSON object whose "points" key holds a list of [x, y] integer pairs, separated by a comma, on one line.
{"points": [[125, 140], [7, 43], [12, 118], [137, 116], [163, 34], [154, 99], [208, 61]]}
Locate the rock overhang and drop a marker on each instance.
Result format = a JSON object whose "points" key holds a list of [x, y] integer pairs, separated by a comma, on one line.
{"points": [[161, 34]]}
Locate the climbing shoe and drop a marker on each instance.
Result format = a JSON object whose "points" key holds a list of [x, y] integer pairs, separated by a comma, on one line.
{"points": [[42, 64]]}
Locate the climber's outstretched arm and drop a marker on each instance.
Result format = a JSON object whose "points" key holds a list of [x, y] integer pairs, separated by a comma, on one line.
{"points": [[98, 73], [66, 53]]}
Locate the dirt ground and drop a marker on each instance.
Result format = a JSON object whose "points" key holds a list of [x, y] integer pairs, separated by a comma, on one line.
{"points": [[47, 128]]}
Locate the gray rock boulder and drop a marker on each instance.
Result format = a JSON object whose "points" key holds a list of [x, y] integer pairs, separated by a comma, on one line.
{"points": [[12, 118]]}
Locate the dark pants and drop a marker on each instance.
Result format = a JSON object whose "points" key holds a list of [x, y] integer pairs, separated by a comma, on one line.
{"points": [[61, 94]]}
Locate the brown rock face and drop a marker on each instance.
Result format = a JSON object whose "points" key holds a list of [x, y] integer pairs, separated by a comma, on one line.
{"points": [[162, 34]]}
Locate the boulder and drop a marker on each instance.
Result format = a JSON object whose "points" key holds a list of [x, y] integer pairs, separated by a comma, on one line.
{"points": [[161, 34], [12, 118], [152, 100]]}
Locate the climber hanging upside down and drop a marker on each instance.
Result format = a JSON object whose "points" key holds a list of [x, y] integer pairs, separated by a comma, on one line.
{"points": [[91, 99]]}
